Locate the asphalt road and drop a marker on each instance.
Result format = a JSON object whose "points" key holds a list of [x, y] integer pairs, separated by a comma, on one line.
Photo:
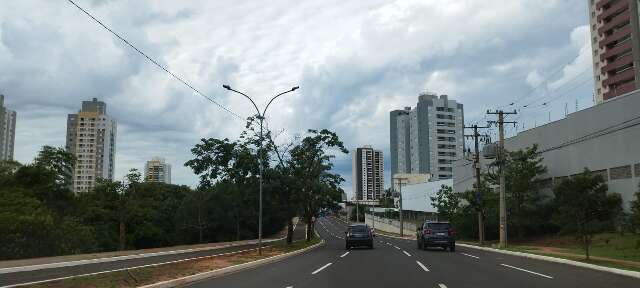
{"points": [[15, 278], [398, 263]]}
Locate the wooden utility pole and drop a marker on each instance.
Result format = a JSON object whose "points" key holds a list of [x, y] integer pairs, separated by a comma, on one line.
{"points": [[476, 163], [501, 162]]}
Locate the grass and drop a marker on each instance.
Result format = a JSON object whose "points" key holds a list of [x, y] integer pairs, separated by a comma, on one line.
{"points": [[149, 275]]}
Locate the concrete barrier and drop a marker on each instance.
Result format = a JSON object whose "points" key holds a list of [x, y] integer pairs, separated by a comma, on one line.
{"points": [[389, 225]]}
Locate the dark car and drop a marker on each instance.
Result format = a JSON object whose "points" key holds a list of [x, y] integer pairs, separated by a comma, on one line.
{"points": [[358, 235], [436, 234]]}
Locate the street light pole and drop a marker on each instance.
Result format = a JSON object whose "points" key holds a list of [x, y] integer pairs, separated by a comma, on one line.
{"points": [[261, 118]]}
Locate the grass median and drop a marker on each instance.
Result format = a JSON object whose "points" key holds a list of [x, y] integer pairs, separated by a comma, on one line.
{"points": [[152, 274]]}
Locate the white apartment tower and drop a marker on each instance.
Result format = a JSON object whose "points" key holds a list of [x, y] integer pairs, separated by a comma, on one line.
{"points": [[368, 173], [91, 138], [7, 131], [157, 171], [427, 139]]}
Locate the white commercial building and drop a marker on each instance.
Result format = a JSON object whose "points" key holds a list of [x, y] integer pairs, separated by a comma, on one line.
{"points": [[7, 131], [368, 173], [91, 138], [427, 139], [604, 138], [157, 171]]}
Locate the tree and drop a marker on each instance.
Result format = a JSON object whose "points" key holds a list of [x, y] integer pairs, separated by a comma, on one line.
{"points": [[446, 202], [524, 198], [584, 208], [635, 211]]}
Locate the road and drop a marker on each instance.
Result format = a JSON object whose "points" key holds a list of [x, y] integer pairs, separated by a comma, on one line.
{"points": [[9, 278], [398, 263]]}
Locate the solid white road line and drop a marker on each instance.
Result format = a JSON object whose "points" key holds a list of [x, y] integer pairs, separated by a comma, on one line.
{"points": [[321, 268], [345, 254], [442, 285], [422, 266], [468, 255], [525, 270], [406, 253]]}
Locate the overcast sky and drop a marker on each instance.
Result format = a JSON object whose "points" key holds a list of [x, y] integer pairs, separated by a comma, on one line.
{"points": [[353, 60]]}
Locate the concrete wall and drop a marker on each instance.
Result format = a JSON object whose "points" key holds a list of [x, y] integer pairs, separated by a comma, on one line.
{"points": [[390, 225], [600, 138]]}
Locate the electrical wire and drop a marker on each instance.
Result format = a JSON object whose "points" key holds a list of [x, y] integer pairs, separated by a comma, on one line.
{"points": [[156, 62]]}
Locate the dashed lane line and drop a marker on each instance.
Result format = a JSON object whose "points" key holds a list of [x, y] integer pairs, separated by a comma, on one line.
{"points": [[396, 247], [422, 266], [406, 253], [321, 268], [345, 254], [528, 271], [469, 255], [442, 285]]}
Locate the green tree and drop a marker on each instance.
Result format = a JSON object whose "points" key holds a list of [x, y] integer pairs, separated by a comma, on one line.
{"points": [[522, 170], [584, 208], [446, 202], [635, 211]]}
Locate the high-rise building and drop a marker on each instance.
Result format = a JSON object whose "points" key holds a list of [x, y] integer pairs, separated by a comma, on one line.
{"points": [[615, 40], [368, 173], [157, 171], [91, 138], [427, 139], [7, 131]]}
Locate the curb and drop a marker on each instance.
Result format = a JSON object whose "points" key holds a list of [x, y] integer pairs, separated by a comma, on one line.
{"points": [[230, 269], [633, 274]]}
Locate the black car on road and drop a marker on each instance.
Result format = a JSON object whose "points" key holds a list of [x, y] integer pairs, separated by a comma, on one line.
{"points": [[436, 234], [358, 235]]}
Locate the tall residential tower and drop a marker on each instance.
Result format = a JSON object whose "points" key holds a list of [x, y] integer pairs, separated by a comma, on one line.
{"points": [[91, 138], [368, 173], [157, 170], [615, 41], [428, 138], [7, 131]]}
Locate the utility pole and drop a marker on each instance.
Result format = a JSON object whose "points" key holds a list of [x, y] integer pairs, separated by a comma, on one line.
{"points": [[400, 182], [501, 159], [476, 165]]}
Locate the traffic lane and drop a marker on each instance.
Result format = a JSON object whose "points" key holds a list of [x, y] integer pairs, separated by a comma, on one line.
{"points": [[282, 273], [383, 266], [69, 271], [482, 267]]}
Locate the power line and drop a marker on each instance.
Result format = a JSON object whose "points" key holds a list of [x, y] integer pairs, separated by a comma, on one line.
{"points": [[156, 62]]}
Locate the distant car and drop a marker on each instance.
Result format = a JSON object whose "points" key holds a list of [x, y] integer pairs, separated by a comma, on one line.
{"points": [[436, 234], [358, 235]]}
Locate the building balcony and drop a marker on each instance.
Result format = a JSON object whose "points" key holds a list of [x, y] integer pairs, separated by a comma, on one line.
{"points": [[613, 9], [611, 66], [601, 3], [623, 76], [616, 50], [614, 22], [615, 36], [619, 90]]}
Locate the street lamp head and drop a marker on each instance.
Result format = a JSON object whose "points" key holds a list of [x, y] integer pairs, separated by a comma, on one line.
{"points": [[225, 86], [295, 88]]}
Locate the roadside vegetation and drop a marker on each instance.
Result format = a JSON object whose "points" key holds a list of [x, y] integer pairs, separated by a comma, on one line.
{"points": [[576, 217], [40, 215]]}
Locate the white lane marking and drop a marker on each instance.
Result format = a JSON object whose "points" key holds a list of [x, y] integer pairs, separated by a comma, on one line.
{"points": [[468, 255], [397, 247], [321, 268], [289, 287], [345, 254], [388, 243], [442, 285], [406, 253], [525, 270], [422, 266]]}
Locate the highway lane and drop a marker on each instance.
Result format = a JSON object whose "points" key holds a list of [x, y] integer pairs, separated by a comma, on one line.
{"points": [[399, 263], [22, 277]]}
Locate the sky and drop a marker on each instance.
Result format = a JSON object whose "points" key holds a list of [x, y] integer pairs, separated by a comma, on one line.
{"points": [[354, 62]]}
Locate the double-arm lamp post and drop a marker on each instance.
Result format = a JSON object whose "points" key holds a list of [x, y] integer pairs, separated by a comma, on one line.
{"points": [[261, 118]]}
